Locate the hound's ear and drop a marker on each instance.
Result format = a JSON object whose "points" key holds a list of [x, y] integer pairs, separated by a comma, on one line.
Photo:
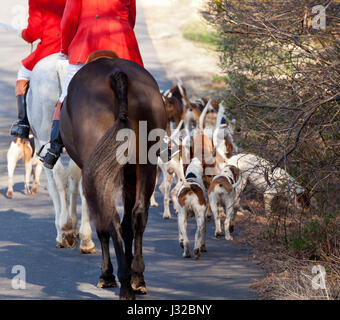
{"points": [[235, 171], [171, 99], [229, 147]]}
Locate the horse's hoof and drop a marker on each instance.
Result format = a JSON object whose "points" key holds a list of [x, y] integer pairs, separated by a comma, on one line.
{"points": [[140, 289], [10, 194], [87, 250], [203, 248], [219, 234], [59, 245], [197, 253], [166, 216], [34, 191], [87, 247], [154, 204], [138, 284], [70, 238], [229, 238], [126, 294], [186, 255], [109, 282]]}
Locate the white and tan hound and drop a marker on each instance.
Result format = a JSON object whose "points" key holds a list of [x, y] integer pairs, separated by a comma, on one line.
{"points": [[192, 203], [20, 149], [221, 195], [257, 171]]}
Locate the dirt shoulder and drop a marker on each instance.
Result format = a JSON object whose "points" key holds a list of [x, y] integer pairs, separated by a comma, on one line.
{"points": [[195, 66]]}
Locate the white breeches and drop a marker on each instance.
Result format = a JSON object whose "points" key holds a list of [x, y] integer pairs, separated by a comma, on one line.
{"points": [[71, 71], [24, 74]]}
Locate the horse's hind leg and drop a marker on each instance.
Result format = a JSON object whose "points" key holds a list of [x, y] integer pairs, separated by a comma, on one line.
{"points": [[67, 222], [53, 191], [129, 198], [85, 231], [107, 279], [146, 176], [124, 268]]}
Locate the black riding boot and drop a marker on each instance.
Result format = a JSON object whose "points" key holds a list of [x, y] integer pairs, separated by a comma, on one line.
{"points": [[56, 147], [21, 128]]}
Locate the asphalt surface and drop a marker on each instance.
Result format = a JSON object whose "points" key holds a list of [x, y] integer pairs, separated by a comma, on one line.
{"points": [[27, 230]]}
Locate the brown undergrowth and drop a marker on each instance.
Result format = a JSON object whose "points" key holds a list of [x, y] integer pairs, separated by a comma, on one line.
{"points": [[290, 272]]}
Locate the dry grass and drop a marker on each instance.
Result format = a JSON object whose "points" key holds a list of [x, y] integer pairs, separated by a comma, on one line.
{"points": [[289, 273]]}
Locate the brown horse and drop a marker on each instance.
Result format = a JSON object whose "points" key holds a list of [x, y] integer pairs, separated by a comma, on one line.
{"points": [[107, 95]]}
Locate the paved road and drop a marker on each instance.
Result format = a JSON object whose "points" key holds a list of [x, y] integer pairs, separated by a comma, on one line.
{"points": [[27, 231]]}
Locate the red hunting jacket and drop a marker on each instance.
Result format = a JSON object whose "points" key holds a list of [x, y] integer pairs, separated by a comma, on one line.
{"points": [[44, 24], [91, 25]]}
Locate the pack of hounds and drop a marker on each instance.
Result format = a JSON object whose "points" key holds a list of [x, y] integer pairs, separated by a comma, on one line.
{"points": [[209, 170]]}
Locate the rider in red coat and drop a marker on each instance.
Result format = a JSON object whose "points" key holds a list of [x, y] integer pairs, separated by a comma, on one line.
{"points": [[44, 25], [89, 26]]}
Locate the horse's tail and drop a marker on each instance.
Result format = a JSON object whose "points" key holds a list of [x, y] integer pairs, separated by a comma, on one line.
{"points": [[103, 172]]}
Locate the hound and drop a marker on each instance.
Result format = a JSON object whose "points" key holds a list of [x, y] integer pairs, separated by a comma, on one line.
{"points": [[192, 202], [224, 145], [257, 171], [175, 101], [221, 195], [23, 150], [172, 167]]}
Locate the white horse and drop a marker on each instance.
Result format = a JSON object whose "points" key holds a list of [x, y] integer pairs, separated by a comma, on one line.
{"points": [[64, 182]]}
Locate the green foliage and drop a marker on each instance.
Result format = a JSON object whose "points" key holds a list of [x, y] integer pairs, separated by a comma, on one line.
{"points": [[314, 234], [198, 32]]}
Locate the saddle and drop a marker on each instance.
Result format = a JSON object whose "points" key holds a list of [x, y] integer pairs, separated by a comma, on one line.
{"points": [[101, 54]]}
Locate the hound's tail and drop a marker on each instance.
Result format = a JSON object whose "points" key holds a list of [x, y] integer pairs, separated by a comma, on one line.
{"points": [[103, 172]]}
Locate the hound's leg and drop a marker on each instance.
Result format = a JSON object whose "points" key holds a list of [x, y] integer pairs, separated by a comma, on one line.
{"points": [[174, 193], [204, 232], [167, 185], [268, 198], [229, 208], [37, 174], [200, 230], [28, 172], [85, 231], [182, 227], [12, 159], [153, 202], [217, 219]]}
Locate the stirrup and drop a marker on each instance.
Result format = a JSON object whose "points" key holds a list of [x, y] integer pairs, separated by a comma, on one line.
{"points": [[20, 130], [40, 157], [50, 160]]}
